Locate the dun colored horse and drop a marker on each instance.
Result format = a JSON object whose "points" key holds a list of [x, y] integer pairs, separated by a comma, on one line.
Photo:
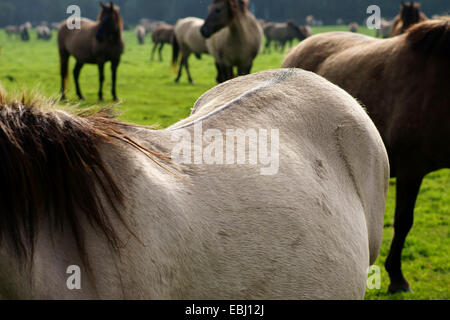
{"points": [[99, 194], [12, 31], [234, 37], [95, 43], [403, 82], [43, 33], [140, 33], [162, 35], [187, 40], [409, 14], [282, 33]]}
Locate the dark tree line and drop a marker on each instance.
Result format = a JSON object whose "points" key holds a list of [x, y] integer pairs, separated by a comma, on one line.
{"points": [[20, 11]]}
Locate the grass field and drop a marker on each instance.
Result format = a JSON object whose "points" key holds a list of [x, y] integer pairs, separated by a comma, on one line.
{"points": [[149, 96]]}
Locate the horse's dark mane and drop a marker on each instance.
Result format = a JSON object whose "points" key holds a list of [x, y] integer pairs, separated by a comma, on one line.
{"points": [[114, 11], [432, 36], [52, 171], [236, 5]]}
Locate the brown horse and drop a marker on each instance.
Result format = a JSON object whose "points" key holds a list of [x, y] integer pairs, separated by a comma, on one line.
{"points": [[95, 43], [403, 82], [282, 33], [162, 35], [234, 37], [353, 27], [409, 14]]}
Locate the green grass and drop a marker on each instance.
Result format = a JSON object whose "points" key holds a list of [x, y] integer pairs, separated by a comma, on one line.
{"points": [[149, 96]]}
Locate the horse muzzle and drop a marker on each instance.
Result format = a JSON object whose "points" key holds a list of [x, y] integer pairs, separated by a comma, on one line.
{"points": [[206, 33]]}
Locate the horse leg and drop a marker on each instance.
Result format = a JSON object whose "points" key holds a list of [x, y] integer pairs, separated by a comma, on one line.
{"points": [[160, 51], [155, 45], [408, 185], [244, 69], [186, 64], [180, 70], [101, 75], [219, 77], [267, 46], [114, 66], [64, 61], [76, 75]]}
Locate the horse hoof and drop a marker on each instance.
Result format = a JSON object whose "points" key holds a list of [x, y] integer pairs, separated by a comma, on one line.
{"points": [[399, 287]]}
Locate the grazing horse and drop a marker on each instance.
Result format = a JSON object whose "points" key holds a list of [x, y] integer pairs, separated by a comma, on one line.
{"points": [[101, 195], [187, 39], [282, 33], [140, 33], [95, 43], [409, 14], [162, 35], [234, 37], [403, 83]]}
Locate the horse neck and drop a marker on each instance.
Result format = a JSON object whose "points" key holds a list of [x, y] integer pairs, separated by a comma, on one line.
{"points": [[240, 24]]}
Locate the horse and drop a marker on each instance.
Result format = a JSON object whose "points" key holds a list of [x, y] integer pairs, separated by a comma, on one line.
{"points": [[95, 43], [409, 14], [385, 30], [162, 35], [234, 37], [24, 31], [140, 33], [187, 39], [403, 83], [12, 31], [283, 33], [43, 32], [353, 27], [110, 200]]}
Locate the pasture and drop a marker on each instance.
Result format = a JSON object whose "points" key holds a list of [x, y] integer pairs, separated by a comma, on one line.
{"points": [[150, 97]]}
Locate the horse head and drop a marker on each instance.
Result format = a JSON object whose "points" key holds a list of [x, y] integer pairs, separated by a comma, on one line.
{"points": [[110, 22], [221, 14], [296, 30], [409, 14]]}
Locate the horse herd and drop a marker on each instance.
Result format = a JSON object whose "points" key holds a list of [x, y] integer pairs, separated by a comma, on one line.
{"points": [[85, 189]]}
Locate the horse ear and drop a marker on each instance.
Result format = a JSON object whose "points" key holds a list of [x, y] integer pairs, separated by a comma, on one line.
{"points": [[111, 4], [102, 5]]}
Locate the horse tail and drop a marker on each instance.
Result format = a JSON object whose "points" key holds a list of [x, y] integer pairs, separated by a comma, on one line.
{"points": [[175, 50]]}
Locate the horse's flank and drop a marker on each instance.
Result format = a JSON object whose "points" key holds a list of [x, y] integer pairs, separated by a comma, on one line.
{"points": [[403, 83]]}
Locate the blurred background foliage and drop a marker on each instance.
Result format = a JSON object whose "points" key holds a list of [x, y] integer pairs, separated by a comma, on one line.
{"points": [[328, 11]]}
